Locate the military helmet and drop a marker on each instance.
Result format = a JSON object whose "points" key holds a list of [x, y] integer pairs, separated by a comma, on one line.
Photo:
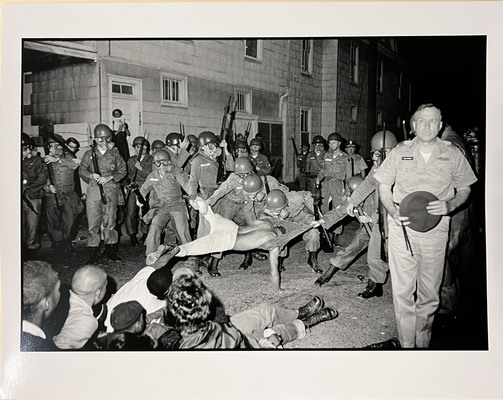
{"points": [[102, 130], [207, 137], [162, 155], [243, 165], [335, 136], [255, 142], [140, 140], [240, 144], [55, 138], [376, 143], [174, 139], [192, 139], [157, 144], [26, 140], [276, 200], [354, 182], [319, 139], [253, 184], [74, 141]]}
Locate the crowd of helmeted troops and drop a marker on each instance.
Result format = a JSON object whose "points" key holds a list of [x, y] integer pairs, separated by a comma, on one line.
{"points": [[173, 196]]}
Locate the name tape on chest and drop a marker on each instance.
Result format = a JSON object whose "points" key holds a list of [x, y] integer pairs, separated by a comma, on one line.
{"points": [[407, 158], [205, 165]]}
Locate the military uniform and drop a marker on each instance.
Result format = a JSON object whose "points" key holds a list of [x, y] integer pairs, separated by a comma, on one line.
{"points": [[102, 217], [203, 176], [314, 164], [62, 208], [358, 165], [170, 206], [405, 167], [132, 217], [34, 179], [262, 164]]}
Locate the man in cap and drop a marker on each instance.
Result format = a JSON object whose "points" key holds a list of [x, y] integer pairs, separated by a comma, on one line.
{"points": [[101, 216], [358, 164], [34, 178], [88, 288], [336, 169], [416, 258], [62, 203], [40, 297], [262, 163], [138, 170]]}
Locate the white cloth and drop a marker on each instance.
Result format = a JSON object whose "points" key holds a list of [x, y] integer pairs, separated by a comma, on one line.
{"points": [[30, 327], [135, 289]]}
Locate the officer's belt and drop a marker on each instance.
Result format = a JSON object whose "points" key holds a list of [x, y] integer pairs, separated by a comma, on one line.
{"points": [[333, 178]]}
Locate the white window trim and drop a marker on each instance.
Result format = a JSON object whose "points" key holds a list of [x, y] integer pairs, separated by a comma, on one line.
{"points": [[309, 120], [380, 78], [353, 118], [248, 100], [309, 69], [259, 50], [184, 102], [356, 45]]}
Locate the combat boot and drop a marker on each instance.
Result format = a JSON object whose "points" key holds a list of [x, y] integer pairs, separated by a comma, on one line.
{"points": [[329, 273], [372, 290], [111, 252], [390, 344], [93, 257], [259, 256], [213, 267], [325, 314], [313, 262], [314, 305], [247, 262]]}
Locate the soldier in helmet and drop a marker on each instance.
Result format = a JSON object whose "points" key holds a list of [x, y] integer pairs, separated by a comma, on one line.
{"points": [[336, 169], [417, 251], [157, 144], [167, 182], [34, 178], [358, 164], [241, 149], [177, 147], [138, 170], [314, 164], [101, 217], [301, 164], [62, 203], [262, 163]]}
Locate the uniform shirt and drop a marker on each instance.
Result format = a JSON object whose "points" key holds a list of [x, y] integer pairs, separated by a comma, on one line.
{"points": [[358, 164], [299, 203], [34, 176], [63, 174], [79, 326], [301, 161], [230, 187], [367, 188], [141, 175], [167, 188], [314, 163], [110, 163], [262, 164], [336, 165], [135, 289], [203, 174], [445, 170]]}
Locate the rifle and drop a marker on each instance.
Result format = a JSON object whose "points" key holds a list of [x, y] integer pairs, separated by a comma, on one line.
{"points": [[325, 242], [295, 149], [383, 226], [28, 202], [96, 169], [365, 224], [222, 159], [182, 130], [133, 187], [62, 144], [247, 131], [405, 135]]}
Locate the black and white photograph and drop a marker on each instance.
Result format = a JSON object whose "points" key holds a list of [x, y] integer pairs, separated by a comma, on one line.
{"points": [[320, 194]]}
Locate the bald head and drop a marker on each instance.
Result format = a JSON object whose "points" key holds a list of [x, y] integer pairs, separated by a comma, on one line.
{"points": [[88, 279]]}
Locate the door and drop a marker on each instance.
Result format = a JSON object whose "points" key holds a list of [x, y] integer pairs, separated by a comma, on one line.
{"points": [[126, 95], [272, 137]]}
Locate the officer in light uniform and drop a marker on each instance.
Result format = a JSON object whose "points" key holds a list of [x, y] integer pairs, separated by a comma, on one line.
{"points": [[429, 164], [101, 217], [138, 170], [336, 168], [358, 164]]}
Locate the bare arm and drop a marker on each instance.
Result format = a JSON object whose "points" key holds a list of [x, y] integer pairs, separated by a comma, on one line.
{"points": [[442, 207]]}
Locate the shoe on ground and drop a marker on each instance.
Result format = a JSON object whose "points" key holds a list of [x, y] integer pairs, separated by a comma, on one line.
{"points": [[313, 306], [372, 290], [325, 314]]}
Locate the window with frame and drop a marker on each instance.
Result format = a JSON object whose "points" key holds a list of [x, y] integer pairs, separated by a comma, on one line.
{"points": [[253, 49], [307, 56], [380, 76], [122, 88], [173, 90], [354, 61], [243, 100], [305, 124], [379, 118], [354, 113]]}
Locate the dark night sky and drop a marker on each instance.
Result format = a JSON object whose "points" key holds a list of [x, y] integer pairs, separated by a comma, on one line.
{"points": [[451, 74]]}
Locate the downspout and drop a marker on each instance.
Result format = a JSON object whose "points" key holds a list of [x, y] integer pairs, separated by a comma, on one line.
{"points": [[283, 117]]}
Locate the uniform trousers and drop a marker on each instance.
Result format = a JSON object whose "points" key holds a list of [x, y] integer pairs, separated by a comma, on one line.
{"points": [[333, 188], [60, 219], [419, 274], [161, 217], [30, 224], [101, 217], [133, 217], [230, 209]]}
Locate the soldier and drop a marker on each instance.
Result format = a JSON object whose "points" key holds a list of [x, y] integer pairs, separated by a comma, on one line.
{"points": [[262, 163], [62, 203], [157, 144], [177, 147], [138, 170], [167, 182], [74, 145], [111, 170], [358, 164], [34, 179], [301, 164], [336, 169], [314, 164], [241, 149]]}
